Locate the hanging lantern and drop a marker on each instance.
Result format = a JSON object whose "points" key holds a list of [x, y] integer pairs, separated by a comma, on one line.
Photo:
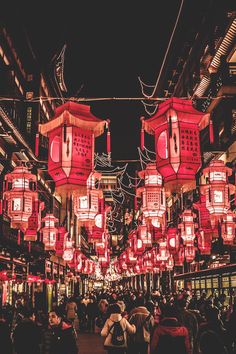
{"points": [[179, 257], [86, 207], [71, 136], [217, 190], [176, 127], [204, 238], [153, 194], [20, 195], [228, 228], [131, 258], [49, 232], [34, 222], [187, 227], [172, 239], [190, 253], [68, 252], [62, 233], [170, 263], [144, 235], [138, 246], [164, 253]]}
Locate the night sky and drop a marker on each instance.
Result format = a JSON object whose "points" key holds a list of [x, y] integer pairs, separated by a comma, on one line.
{"points": [[108, 46]]}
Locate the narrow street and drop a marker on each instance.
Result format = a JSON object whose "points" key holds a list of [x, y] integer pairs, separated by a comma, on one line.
{"points": [[90, 344]]}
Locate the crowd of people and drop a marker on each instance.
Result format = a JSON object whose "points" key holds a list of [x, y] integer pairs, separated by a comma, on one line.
{"points": [[132, 322]]}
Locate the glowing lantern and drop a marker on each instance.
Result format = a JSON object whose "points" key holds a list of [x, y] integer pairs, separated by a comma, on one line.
{"points": [[179, 257], [86, 207], [217, 190], [34, 222], [145, 236], [187, 227], [190, 253], [204, 238], [49, 232], [68, 252], [170, 263], [71, 144], [163, 252], [172, 238], [131, 258], [20, 195], [176, 127], [153, 194], [62, 233], [228, 229], [138, 246]]}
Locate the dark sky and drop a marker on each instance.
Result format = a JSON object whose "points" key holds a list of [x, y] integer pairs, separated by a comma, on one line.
{"points": [[109, 44]]}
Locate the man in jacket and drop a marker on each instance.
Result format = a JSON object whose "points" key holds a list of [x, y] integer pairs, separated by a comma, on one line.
{"points": [[144, 322], [27, 335], [60, 337]]}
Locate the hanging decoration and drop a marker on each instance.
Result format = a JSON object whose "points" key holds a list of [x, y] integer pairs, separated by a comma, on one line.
{"points": [[49, 232], [176, 126], [187, 227], [217, 191], [20, 196], [71, 136], [228, 228]]}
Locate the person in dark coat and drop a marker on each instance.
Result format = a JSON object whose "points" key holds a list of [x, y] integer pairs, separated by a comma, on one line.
{"points": [[5, 338], [60, 337], [27, 335], [170, 336]]}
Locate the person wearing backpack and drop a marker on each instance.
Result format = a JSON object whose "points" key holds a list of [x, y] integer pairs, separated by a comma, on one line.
{"points": [[144, 323], [115, 331]]}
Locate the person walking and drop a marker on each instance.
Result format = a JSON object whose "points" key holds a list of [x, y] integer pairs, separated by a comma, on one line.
{"points": [[60, 337], [170, 336], [144, 322], [5, 337], [27, 335], [116, 330], [71, 310]]}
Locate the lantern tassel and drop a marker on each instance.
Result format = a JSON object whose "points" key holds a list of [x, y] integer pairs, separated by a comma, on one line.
{"points": [[36, 150], [211, 132], [18, 238], [29, 246], [142, 134], [108, 137]]}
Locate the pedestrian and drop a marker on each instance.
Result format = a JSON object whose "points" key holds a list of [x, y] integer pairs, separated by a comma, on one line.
{"points": [[5, 337], [71, 310], [170, 336], [27, 335], [116, 330], [60, 337], [144, 322]]}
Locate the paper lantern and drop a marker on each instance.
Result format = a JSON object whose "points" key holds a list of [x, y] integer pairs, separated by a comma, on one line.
{"points": [[86, 207], [20, 195], [164, 253], [69, 250], [62, 234], [176, 127], [71, 136], [179, 257], [49, 232], [228, 228], [170, 263], [190, 253], [144, 235], [204, 238], [187, 227], [172, 239], [153, 194], [217, 190]]}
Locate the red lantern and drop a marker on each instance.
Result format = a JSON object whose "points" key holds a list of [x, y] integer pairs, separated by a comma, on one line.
{"points": [[204, 241], [170, 263], [34, 222], [172, 238], [164, 253], [71, 144], [187, 227], [68, 252], [217, 190], [176, 128], [86, 207], [153, 194], [179, 257], [62, 233], [49, 232], [190, 253], [20, 195], [131, 258], [228, 228], [145, 236]]}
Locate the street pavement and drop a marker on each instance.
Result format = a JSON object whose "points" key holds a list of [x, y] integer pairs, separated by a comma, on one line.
{"points": [[90, 344]]}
